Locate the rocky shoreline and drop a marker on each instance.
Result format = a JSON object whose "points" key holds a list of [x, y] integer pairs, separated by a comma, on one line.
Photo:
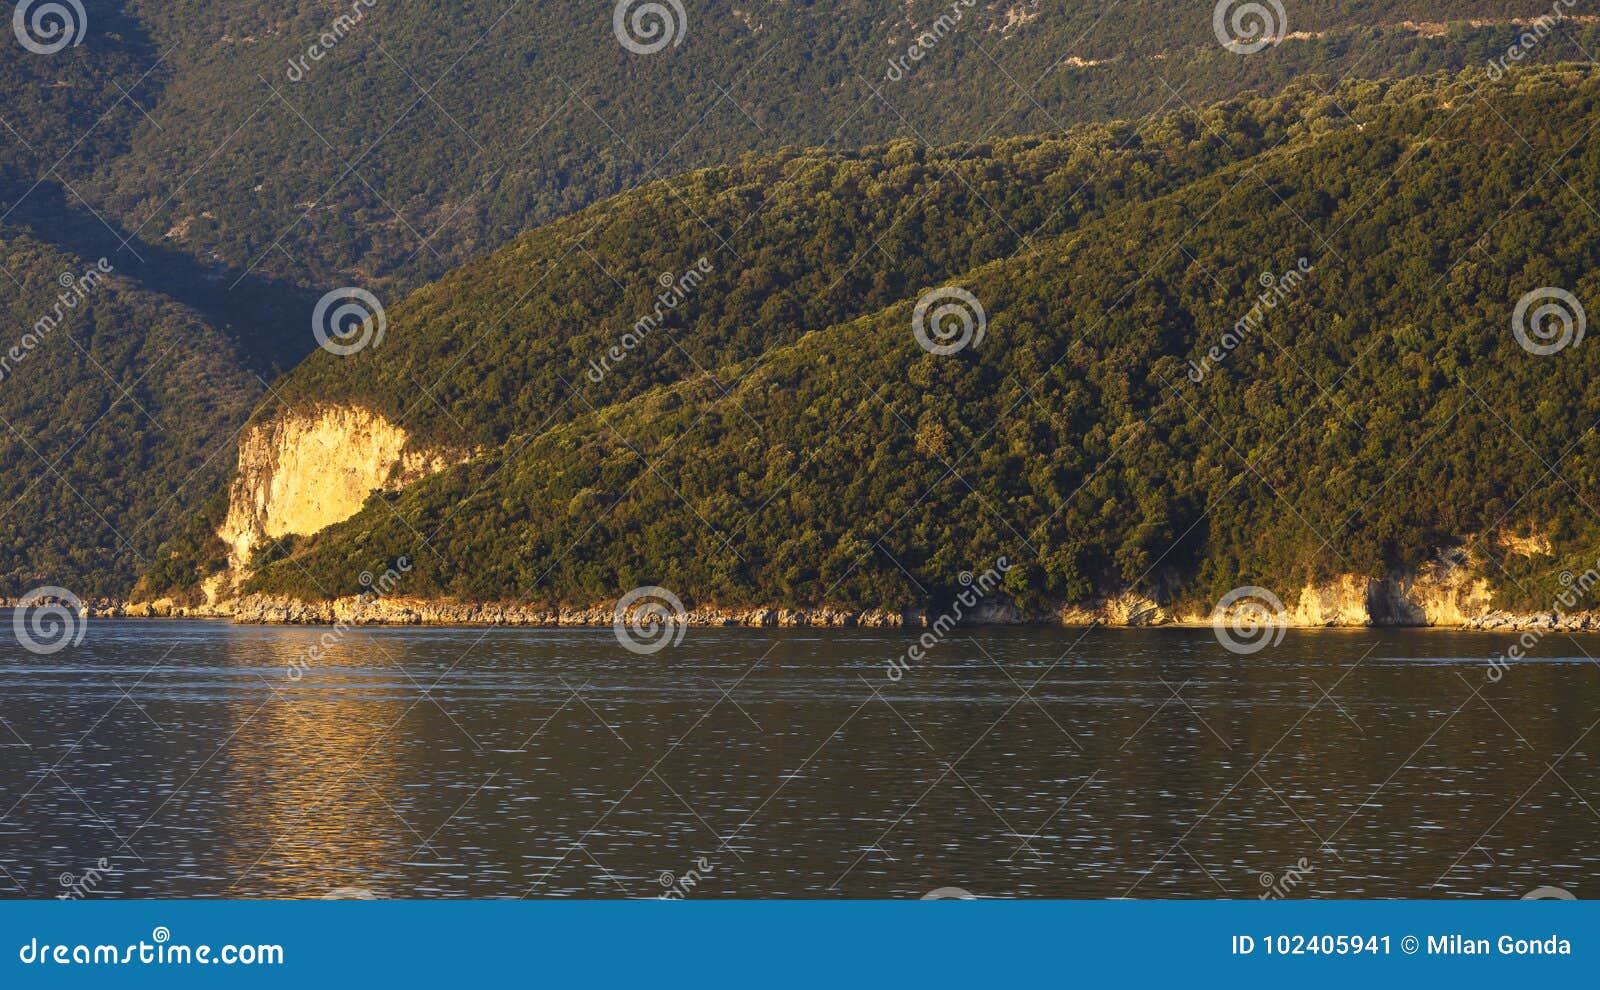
{"points": [[1124, 612], [305, 470], [357, 611]]}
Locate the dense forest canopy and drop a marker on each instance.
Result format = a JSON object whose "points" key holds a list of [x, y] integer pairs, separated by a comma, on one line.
{"points": [[1275, 344], [117, 406], [235, 161], [430, 134]]}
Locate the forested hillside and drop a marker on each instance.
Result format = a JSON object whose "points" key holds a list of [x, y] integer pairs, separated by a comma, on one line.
{"points": [[235, 161], [777, 246], [430, 134], [118, 411], [1114, 428]]}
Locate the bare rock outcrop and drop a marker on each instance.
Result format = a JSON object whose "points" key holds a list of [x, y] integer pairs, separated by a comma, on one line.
{"points": [[301, 472]]}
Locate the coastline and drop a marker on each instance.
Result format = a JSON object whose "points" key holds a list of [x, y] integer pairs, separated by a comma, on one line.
{"points": [[403, 612]]}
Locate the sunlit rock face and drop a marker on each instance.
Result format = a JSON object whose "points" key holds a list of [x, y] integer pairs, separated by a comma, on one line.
{"points": [[302, 472]]}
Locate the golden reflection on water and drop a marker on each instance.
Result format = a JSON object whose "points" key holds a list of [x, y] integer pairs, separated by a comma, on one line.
{"points": [[1145, 765], [313, 774]]}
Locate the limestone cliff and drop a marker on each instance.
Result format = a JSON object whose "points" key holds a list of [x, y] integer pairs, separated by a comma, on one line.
{"points": [[1443, 593], [1119, 610], [303, 471], [1440, 595], [1344, 601]]}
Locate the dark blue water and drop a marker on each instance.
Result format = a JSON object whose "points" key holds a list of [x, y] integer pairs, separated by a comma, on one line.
{"points": [[182, 760]]}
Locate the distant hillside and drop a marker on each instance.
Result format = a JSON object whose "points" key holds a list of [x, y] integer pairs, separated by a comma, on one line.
{"points": [[415, 136], [1379, 409]]}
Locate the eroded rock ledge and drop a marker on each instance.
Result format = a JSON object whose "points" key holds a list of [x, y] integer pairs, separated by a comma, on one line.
{"points": [[356, 611], [1447, 593], [1318, 610], [303, 471]]}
